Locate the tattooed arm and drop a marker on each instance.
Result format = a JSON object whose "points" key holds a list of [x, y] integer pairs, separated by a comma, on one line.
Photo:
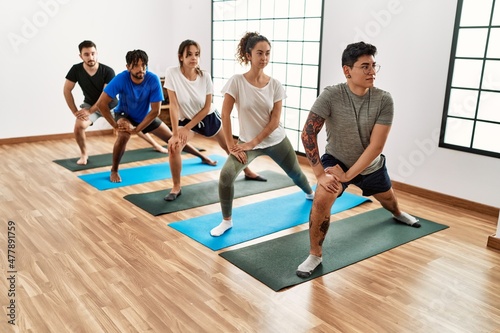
{"points": [[312, 127]]}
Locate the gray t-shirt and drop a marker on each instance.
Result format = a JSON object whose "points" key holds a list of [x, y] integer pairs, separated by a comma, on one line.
{"points": [[349, 120]]}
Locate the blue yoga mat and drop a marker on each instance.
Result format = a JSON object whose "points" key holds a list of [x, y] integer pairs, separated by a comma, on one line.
{"points": [[259, 219], [149, 173]]}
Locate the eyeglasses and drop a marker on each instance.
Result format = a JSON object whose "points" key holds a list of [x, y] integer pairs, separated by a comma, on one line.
{"points": [[368, 68]]}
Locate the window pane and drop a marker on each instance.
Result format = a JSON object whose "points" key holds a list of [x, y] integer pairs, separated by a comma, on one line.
{"points": [[291, 119], [253, 10], [463, 103], [241, 9], [296, 30], [228, 30], [293, 97], [229, 49], [308, 98], [279, 72], [294, 75], [473, 95], [253, 25], [218, 30], [496, 14], [312, 29], [267, 9], [489, 106], [278, 51], [280, 30], [458, 132], [295, 52], [467, 73], [280, 8], [266, 29], [311, 53], [310, 76], [494, 43], [296, 8], [476, 13], [240, 27], [313, 8], [292, 27], [491, 76], [471, 43], [487, 137]]}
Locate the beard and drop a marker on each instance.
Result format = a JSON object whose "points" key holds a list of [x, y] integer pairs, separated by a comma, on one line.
{"points": [[138, 76]]}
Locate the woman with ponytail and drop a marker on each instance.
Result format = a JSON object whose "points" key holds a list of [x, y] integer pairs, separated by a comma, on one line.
{"points": [[258, 99]]}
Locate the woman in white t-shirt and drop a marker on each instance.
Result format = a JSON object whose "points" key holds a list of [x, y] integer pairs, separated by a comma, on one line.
{"points": [[190, 93], [258, 99]]}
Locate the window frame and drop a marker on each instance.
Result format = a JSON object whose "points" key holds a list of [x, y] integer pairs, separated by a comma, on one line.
{"points": [[448, 118]]}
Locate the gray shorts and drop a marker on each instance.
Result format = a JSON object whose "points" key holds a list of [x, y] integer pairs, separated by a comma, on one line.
{"points": [[93, 116]]}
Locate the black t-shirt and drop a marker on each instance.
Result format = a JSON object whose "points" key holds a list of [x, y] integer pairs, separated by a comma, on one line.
{"points": [[92, 86]]}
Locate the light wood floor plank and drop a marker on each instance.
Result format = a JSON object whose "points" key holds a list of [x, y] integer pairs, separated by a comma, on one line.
{"points": [[90, 261]]}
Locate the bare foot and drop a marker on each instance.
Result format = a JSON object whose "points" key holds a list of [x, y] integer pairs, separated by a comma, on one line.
{"points": [[161, 149], [208, 161], [115, 177], [82, 160]]}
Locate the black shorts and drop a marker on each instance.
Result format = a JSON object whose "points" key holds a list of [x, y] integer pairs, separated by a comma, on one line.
{"points": [[208, 127], [372, 183], [151, 127]]}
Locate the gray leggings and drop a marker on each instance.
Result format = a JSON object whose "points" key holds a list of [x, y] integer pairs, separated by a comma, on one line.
{"points": [[282, 153]]}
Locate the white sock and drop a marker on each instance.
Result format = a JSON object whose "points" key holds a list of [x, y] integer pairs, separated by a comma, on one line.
{"points": [[308, 266], [310, 196], [221, 228], [407, 219]]}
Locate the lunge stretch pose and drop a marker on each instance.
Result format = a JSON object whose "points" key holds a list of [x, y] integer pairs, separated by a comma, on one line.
{"points": [[141, 95], [190, 91], [358, 118], [92, 77], [258, 98]]}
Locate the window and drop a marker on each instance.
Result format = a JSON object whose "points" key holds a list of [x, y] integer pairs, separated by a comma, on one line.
{"points": [[294, 29], [471, 118]]}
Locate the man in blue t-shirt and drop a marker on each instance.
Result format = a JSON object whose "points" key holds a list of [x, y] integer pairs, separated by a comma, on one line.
{"points": [[92, 77], [140, 96]]}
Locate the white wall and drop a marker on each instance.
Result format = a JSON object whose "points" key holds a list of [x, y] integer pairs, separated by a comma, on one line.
{"points": [[414, 42], [413, 38]]}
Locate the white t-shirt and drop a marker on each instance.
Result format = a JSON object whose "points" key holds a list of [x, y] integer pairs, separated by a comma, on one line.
{"points": [[191, 95], [254, 107]]}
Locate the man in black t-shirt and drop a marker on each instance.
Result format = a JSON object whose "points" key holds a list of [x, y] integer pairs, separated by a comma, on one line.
{"points": [[92, 77]]}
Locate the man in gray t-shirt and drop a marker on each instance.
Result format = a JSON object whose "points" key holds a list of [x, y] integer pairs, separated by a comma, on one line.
{"points": [[358, 118]]}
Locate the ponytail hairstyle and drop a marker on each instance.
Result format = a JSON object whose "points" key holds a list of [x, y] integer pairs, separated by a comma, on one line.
{"points": [[246, 44], [183, 47]]}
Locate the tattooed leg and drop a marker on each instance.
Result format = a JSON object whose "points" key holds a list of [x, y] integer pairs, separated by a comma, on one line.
{"points": [[317, 234]]}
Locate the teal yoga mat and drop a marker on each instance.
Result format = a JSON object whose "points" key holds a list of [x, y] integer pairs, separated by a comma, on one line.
{"points": [[149, 173], [205, 193], [258, 219], [101, 160], [348, 241]]}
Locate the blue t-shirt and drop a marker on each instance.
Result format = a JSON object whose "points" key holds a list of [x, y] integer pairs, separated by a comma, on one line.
{"points": [[135, 99]]}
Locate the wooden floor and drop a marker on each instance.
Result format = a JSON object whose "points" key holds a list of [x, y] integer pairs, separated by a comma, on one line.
{"points": [[90, 261]]}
